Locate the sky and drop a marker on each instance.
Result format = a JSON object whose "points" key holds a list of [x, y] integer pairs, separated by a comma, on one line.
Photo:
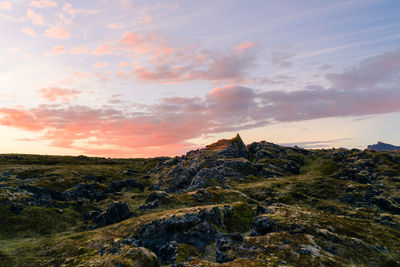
{"points": [[130, 78]]}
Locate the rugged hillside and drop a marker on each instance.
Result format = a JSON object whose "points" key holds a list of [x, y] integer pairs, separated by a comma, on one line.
{"points": [[380, 146], [227, 204]]}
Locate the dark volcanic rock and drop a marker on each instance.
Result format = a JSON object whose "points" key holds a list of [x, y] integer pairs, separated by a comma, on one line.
{"points": [[115, 213], [225, 243], [154, 200], [167, 253], [192, 229], [88, 191], [207, 176], [261, 210], [92, 214], [119, 185], [385, 205], [16, 208], [263, 225], [160, 195], [41, 193]]}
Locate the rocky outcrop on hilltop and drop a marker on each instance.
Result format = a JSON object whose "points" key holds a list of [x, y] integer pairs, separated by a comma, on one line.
{"points": [[225, 160]]}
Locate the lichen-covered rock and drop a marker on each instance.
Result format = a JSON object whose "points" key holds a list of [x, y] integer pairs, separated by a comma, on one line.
{"points": [[88, 191], [189, 229], [126, 256], [263, 225], [115, 213], [195, 229], [154, 200], [129, 183], [225, 243]]}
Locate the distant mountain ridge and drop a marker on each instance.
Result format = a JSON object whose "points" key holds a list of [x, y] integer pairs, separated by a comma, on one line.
{"points": [[380, 146]]}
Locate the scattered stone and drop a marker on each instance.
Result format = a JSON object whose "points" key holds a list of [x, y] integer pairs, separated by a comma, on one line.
{"points": [[88, 191], [16, 208], [263, 225], [119, 185], [115, 213]]}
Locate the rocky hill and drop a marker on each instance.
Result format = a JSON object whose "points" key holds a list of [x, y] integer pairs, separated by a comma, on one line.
{"points": [[383, 147], [227, 204]]}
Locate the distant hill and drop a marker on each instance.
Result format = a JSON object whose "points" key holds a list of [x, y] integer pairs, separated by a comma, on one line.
{"points": [[383, 147]]}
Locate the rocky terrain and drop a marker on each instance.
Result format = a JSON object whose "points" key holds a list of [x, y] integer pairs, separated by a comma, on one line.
{"points": [[225, 205]]}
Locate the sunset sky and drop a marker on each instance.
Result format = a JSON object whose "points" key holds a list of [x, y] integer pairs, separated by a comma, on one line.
{"points": [[130, 78]]}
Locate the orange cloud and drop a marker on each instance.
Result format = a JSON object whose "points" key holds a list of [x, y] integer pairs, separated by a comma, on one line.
{"points": [[79, 74], [78, 50], [100, 65], [57, 32], [103, 50], [124, 64], [116, 26], [35, 18], [29, 31], [58, 50], [43, 3], [5, 5], [53, 94]]}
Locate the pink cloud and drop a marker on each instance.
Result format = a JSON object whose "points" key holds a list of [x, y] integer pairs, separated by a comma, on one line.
{"points": [[53, 94], [134, 44], [124, 64], [43, 3], [57, 32], [35, 18], [245, 46], [116, 26], [230, 67], [29, 31], [124, 134], [106, 49], [126, 4], [78, 50], [58, 50], [79, 74], [100, 65], [72, 12], [176, 65], [5, 5]]}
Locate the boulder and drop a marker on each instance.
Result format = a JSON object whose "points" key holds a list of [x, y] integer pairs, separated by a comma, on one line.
{"points": [[119, 185], [88, 191], [224, 243], [117, 212], [263, 225], [193, 229]]}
